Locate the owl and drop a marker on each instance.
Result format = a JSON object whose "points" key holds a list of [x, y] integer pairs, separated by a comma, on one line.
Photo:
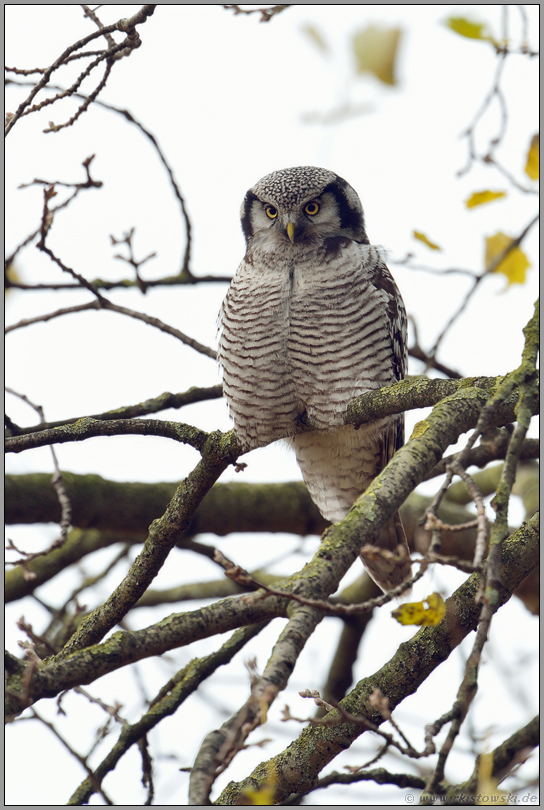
{"points": [[312, 319]]}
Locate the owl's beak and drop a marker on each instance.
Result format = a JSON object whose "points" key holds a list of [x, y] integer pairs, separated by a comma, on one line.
{"points": [[290, 228]]}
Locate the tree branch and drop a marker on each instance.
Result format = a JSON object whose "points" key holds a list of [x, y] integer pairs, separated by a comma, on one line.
{"points": [[132, 40], [88, 428], [162, 402], [166, 703], [297, 767], [320, 577]]}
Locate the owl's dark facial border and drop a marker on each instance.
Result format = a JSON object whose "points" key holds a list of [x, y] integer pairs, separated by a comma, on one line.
{"points": [[349, 209], [245, 214]]}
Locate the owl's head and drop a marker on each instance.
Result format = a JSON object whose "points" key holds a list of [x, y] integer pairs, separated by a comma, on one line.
{"points": [[300, 205]]}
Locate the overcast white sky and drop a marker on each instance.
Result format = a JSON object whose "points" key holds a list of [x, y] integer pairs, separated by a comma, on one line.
{"points": [[229, 101]]}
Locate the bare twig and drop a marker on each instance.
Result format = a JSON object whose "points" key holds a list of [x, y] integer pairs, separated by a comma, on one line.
{"points": [[247, 581], [503, 50], [166, 702], [131, 259], [491, 269], [132, 41], [423, 268], [163, 402], [89, 183], [337, 715], [81, 759], [105, 304], [485, 452], [87, 428], [185, 274], [380, 776], [266, 13], [481, 521], [89, 100], [58, 486], [92, 15]]}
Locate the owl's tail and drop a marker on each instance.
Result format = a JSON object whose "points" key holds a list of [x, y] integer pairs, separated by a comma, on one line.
{"points": [[337, 466], [389, 564]]}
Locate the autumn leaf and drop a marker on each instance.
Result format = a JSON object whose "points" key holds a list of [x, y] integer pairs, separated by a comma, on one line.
{"points": [[482, 197], [488, 791], [376, 52], [263, 795], [430, 611], [11, 275], [514, 265], [425, 240], [468, 28], [533, 158]]}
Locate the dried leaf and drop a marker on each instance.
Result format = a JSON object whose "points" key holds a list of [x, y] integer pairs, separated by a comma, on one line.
{"points": [[533, 158], [482, 197], [376, 52], [468, 28], [488, 791], [515, 264], [430, 611], [425, 240], [264, 795], [11, 275], [315, 36]]}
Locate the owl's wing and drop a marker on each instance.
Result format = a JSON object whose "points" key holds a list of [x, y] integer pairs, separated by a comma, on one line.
{"points": [[382, 280], [389, 573]]}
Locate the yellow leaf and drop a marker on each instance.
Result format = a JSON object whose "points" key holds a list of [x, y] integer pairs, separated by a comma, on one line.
{"points": [[515, 264], [481, 197], [488, 791], [533, 158], [376, 52], [11, 275], [428, 612], [263, 795], [315, 36], [468, 28], [425, 240]]}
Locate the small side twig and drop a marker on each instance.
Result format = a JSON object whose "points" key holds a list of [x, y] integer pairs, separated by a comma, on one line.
{"points": [[266, 13], [481, 521], [329, 608], [58, 486]]}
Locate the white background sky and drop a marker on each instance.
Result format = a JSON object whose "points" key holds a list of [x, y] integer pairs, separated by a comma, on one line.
{"points": [[229, 99]]}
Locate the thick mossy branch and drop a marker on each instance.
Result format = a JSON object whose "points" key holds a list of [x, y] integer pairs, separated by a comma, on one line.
{"points": [[79, 544], [122, 512], [298, 767], [97, 503], [418, 392]]}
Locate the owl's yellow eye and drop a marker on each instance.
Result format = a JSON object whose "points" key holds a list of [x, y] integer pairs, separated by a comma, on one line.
{"points": [[271, 212], [312, 208]]}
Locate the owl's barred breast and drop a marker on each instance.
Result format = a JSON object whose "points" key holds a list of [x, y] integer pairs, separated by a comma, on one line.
{"points": [[302, 335]]}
